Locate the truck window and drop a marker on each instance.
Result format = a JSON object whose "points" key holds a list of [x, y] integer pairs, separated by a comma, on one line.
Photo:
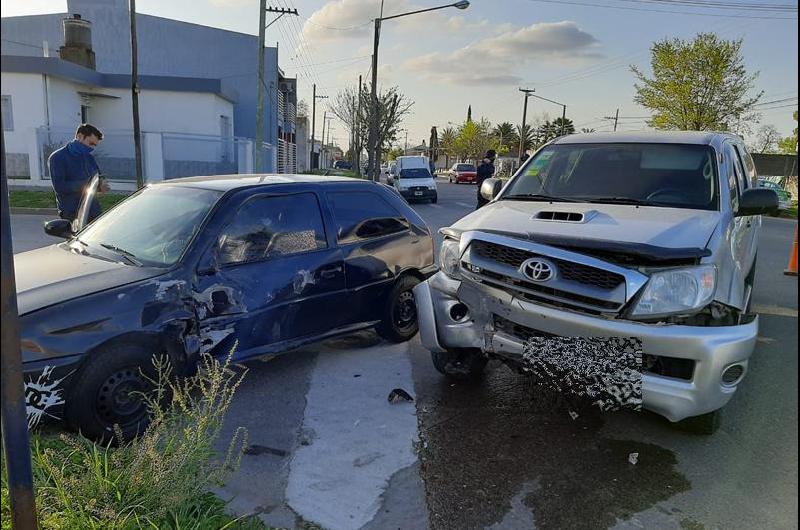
{"points": [[749, 166], [364, 215], [733, 178]]}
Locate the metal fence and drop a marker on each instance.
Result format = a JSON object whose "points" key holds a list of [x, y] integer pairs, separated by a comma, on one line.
{"points": [[115, 155]]}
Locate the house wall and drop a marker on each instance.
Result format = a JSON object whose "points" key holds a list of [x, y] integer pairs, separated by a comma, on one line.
{"points": [[27, 109]]}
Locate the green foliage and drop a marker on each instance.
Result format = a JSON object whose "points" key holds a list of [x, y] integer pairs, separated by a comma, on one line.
{"points": [[159, 480], [788, 145], [474, 139], [697, 85], [47, 199], [506, 135]]}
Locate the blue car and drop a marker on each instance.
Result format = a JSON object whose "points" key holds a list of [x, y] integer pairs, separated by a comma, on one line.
{"points": [[192, 265]]}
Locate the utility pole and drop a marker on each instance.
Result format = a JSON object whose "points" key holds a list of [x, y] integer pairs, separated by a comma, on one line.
{"points": [[527, 92], [372, 137], [314, 124], [14, 418], [137, 133], [615, 118], [262, 31], [322, 147], [358, 130]]}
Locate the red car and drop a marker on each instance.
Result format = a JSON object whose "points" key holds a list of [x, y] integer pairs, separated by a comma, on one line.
{"points": [[462, 173]]}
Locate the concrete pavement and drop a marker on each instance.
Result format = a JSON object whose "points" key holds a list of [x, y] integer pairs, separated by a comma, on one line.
{"points": [[326, 447]]}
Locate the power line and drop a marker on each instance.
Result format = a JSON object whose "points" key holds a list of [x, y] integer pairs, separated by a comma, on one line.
{"points": [[629, 8]]}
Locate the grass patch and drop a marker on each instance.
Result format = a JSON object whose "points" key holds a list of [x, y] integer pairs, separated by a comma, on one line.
{"points": [[47, 199], [161, 479], [790, 213]]}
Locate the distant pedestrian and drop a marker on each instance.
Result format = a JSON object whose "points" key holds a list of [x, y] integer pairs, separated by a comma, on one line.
{"points": [[72, 168], [485, 171]]}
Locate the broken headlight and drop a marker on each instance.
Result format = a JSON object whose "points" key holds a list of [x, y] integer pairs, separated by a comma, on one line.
{"points": [[677, 291], [449, 257]]}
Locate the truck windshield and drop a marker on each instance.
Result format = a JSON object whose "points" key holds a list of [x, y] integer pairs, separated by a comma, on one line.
{"points": [[415, 173], [671, 175]]}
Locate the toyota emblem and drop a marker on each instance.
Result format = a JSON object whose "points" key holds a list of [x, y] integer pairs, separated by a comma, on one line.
{"points": [[537, 270]]}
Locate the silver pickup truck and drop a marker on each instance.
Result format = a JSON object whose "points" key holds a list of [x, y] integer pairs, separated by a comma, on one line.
{"points": [[651, 236]]}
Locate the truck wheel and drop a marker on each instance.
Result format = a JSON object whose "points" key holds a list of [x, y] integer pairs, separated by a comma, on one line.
{"points": [[460, 364], [707, 423], [399, 322], [104, 393]]}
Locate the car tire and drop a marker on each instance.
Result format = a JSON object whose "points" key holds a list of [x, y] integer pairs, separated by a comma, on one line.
{"points": [[399, 322], [460, 364], [100, 396], [435, 199], [707, 423]]}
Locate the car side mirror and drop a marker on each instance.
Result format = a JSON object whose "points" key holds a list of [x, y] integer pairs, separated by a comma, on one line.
{"points": [[58, 228], [491, 188], [757, 201]]}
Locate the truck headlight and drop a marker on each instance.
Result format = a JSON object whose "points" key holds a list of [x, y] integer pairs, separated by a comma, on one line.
{"points": [[449, 257], [677, 291]]}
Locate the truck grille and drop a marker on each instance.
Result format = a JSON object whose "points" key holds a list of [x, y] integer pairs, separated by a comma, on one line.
{"points": [[568, 270]]}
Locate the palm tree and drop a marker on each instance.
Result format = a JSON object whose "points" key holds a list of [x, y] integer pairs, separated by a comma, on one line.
{"points": [[447, 142], [563, 126], [586, 130], [525, 136], [504, 132]]}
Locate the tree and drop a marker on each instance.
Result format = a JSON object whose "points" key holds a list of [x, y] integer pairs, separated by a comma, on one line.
{"points": [[526, 136], [586, 130], [504, 132], [302, 109], [563, 126], [788, 145], [474, 139], [469, 113], [447, 144], [433, 145], [766, 140], [697, 85], [393, 107]]}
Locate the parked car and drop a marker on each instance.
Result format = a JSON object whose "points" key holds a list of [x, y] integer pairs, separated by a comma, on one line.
{"points": [[342, 164], [784, 197], [463, 173], [191, 265], [413, 179], [649, 236]]}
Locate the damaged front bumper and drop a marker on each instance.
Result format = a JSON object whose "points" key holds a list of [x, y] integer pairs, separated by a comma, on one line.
{"points": [[455, 314]]}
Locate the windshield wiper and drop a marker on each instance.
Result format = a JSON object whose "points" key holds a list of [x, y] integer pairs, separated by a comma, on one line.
{"points": [[537, 197], [623, 200], [124, 253]]}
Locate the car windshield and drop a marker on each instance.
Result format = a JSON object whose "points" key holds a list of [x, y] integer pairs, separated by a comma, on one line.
{"points": [[152, 227], [673, 175], [465, 167], [415, 173]]}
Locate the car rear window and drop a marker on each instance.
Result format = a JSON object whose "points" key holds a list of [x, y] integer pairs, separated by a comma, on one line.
{"points": [[465, 167]]}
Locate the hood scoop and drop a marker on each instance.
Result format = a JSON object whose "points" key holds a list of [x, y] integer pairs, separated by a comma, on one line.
{"points": [[565, 216]]}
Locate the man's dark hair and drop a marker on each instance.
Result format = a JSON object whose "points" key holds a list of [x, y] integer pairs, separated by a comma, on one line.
{"points": [[88, 130]]}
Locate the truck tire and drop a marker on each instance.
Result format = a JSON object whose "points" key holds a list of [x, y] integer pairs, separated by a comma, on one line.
{"points": [[101, 395], [460, 364], [707, 423], [399, 322]]}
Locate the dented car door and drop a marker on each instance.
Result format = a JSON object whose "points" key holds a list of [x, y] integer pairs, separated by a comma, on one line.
{"points": [[271, 277]]}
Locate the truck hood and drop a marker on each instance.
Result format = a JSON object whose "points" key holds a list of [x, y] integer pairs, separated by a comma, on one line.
{"points": [[54, 274], [669, 228]]}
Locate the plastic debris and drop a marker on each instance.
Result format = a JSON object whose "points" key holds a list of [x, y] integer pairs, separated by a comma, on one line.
{"points": [[633, 458], [573, 415], [398, 394]]}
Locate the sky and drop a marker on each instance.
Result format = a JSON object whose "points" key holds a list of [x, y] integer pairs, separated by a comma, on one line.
{"points": [[576, 52]]}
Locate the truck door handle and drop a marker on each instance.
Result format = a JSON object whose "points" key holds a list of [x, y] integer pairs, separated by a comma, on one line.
{"points": [[327, 274]]}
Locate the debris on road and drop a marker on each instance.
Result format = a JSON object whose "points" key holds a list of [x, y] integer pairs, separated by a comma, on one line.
{"points": [[398, 394], [633, 458]]}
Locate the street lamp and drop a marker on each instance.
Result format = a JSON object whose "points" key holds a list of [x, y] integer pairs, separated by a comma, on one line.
{"points": [[372, 143]]}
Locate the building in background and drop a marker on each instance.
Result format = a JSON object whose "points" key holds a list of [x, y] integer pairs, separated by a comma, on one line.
{"points": [[303, 145], [197, 101]]}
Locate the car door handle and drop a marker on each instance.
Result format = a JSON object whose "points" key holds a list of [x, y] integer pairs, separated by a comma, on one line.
{"points": [[328, 274]]}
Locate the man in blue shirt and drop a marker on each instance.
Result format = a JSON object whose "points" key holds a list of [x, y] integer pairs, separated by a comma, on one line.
{"points": [[71, 168]]}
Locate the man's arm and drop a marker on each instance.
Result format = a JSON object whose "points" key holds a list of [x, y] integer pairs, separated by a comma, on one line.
{"points": [[58, 176]]}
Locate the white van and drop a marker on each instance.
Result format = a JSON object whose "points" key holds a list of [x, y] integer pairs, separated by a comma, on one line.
{"points": [[413, 179]]}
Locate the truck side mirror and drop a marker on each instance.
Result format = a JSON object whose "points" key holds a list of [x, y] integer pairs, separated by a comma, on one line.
{"points": [[491, 188], [757, 201], [58, 228]]}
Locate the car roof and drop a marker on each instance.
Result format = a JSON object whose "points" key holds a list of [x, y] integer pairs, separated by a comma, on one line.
{"points": [[231, 182], [657, 137]]}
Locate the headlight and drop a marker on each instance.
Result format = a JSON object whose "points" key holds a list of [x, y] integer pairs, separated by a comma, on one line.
{"points": [[677, 291], [449, 257]]}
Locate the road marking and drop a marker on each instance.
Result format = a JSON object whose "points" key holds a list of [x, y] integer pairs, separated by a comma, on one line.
{"points": [[775, 310], [361, 440]]}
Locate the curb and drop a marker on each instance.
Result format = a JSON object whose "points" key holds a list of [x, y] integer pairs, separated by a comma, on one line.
{"points": [[34, 211]]}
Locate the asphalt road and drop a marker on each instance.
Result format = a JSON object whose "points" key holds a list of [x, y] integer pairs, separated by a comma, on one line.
{"points": [[327, 447]]}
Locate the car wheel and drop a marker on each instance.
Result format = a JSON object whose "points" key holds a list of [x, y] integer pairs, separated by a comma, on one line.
{"points": [[435, 199], [399, 322], [460, 364], [707, 423], [104, 393]]}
